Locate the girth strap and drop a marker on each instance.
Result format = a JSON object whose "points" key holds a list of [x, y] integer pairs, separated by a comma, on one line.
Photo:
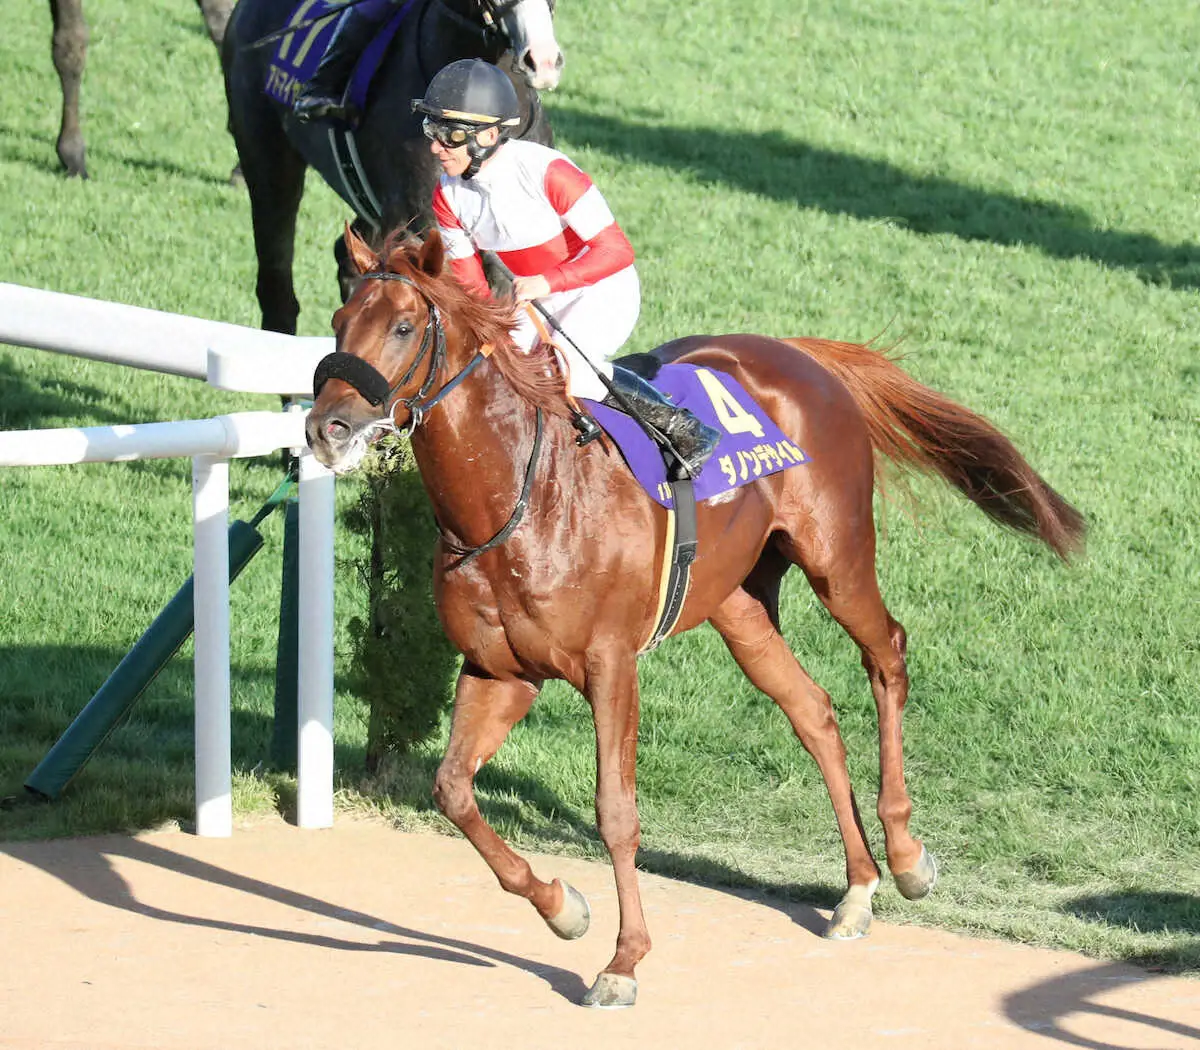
{"points": [[682, 541]]}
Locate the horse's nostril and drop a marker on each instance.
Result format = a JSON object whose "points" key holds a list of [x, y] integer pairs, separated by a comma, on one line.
{"points": [[336, 430], [527, 59]]}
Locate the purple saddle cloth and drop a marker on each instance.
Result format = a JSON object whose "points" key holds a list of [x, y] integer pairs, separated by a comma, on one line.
{"points": [[297, 55], [751, 445]]}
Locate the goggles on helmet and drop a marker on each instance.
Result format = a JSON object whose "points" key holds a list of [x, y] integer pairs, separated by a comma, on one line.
{"points": [[447, 133]]}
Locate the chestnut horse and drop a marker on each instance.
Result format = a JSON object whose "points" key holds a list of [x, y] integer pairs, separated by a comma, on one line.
{"points": [[566, 584]]}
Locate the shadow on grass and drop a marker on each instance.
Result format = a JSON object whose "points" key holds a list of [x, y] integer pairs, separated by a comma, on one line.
{"points": [[134, 768], [22, 146], [1148, 911], [27, 402], [94, 876], [1142, 910], [779, 168], [1045, 1006]]}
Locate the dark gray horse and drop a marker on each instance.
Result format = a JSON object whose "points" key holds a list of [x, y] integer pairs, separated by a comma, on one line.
{"points": [[389, 150], [69, 49]]}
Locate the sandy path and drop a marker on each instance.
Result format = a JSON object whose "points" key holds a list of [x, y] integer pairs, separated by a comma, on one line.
{"points": [[362, 936]]}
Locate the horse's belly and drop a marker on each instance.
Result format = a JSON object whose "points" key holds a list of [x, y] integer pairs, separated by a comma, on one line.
{"points": [[543, 639]]}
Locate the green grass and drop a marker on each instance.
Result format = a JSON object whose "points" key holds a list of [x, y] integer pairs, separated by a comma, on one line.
{"points": [[1009, 189]]}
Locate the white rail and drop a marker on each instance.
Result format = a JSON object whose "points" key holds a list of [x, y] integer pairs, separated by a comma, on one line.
{"points": [[233, 436], [245, 359], [231, 357]]}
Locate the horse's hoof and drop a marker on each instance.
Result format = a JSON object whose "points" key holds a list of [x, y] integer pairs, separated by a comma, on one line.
{"points": [[573, 917], [917, 882], [849, 922], [852, 917], [611, 992]]}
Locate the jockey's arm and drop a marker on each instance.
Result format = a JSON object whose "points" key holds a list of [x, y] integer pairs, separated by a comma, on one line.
{"points": [[465, 262], [606, 250]]}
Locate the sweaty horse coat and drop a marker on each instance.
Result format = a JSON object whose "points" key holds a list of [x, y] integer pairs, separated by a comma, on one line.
{"points": [[570, 593]]}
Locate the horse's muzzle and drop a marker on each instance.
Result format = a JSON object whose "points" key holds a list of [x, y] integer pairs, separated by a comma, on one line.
{"points": [[338, 443]]}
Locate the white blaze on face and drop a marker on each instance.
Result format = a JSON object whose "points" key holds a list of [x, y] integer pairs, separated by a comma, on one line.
{"points": [[530, 29]]}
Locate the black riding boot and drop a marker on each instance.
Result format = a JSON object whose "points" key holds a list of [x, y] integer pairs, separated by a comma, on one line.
{"points": [[693, 439], [324, 96]]}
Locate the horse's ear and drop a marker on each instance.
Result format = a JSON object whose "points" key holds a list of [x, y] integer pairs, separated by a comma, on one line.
{"points": [[363, 258], [432, 258]]}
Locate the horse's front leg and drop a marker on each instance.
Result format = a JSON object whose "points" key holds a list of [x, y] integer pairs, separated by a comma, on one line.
{"points": [[612, 690], [485, 709]]}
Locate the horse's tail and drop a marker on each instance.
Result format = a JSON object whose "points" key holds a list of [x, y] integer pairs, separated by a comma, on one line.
{"points": [[918, 428]]}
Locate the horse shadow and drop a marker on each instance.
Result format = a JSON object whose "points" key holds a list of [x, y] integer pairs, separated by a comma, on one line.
{"points": [[94, 876], [532, 816], [776, 167], [31, 149], [1147, 911], [1043, 1007]]}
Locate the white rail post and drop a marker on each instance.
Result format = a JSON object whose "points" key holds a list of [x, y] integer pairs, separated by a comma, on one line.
{"points": [[314, 761], [214, 774]]}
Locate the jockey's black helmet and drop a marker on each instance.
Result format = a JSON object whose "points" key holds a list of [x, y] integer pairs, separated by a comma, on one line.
{"points": [[474, 92]]}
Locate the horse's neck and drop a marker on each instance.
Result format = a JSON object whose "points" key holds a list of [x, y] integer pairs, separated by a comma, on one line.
{"points": [[450, 30], [473, 450]]}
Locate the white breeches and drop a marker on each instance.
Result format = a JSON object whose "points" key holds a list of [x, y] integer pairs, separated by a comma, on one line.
{"points": [[596, 319]]}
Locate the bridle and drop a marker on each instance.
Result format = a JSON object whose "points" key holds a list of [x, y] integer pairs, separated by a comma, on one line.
{"points": [[375, 388], [492, 14]]}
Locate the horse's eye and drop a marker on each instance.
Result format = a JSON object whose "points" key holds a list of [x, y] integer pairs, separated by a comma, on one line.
{"points": [[402, 330]]}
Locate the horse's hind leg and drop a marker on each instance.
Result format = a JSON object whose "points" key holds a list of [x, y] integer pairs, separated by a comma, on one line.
{"points": [[69, 49], [844, 579], [748, 621], [485, 709]]}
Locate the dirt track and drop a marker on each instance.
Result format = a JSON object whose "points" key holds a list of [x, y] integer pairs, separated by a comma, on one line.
{"points": [[362, 936]]}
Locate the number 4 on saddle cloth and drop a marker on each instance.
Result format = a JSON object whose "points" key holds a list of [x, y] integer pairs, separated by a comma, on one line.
{"points": [[751, 445]]}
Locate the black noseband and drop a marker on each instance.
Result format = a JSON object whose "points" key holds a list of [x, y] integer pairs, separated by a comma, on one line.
{"points": [[364, 377]]}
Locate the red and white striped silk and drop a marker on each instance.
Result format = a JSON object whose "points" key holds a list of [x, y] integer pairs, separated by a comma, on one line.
{"points": [[539, 212]]}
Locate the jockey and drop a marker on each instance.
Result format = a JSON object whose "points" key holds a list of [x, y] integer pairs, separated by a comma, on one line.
{"points": [[551, 227], [324, 96]]}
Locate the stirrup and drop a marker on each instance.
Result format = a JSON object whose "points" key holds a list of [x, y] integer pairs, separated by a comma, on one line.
{"points": [[589, 429], [699, 441]]}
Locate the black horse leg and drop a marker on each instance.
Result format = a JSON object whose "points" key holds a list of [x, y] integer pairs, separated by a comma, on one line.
{"points": [[347, 274], [216, 16], [274, 174], [70, 55]]}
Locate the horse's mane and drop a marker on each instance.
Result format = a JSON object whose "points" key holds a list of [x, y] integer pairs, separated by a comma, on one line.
{"points": [[535, 376]]}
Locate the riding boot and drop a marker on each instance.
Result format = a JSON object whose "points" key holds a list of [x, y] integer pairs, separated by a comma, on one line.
{"points": [[324, 96], [693, 439]]}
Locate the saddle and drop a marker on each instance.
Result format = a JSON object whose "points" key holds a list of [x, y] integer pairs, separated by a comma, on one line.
{"points": [[751, 445]]}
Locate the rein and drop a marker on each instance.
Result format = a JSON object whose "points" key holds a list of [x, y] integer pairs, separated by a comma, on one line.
{"points": [[491, 13], [372, 385]]}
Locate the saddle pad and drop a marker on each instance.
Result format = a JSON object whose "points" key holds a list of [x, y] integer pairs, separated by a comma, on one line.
{"points": [[297, 55], [751, 445]]}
